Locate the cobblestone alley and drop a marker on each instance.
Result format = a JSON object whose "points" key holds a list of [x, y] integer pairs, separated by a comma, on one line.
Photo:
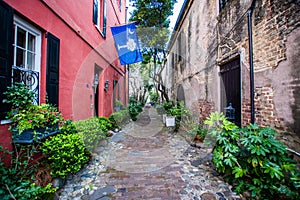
{"points": [[146, 161]]}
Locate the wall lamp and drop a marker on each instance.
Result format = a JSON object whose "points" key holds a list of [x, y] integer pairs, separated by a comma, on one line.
{"points": [[106, 85], [96, 82]]}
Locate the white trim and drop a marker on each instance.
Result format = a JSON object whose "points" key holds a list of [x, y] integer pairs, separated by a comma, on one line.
{"points": [[38, 36]]}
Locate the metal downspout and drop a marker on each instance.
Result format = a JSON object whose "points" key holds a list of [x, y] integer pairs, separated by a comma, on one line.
{"points": [[249, 15]]}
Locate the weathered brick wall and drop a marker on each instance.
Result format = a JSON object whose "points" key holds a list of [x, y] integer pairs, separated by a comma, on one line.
{"points": [[266, 114], [276, 41], [273, 21], [209, 38], [202, 109]]}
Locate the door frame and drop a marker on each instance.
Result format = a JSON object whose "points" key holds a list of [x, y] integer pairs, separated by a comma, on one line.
{"points": [[236, 60]]}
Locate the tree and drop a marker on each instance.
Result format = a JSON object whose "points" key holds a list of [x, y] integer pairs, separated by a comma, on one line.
{"points": [[151, 18]]}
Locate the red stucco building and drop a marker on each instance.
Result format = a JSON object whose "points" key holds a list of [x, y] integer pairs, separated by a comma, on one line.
{"points": [[67, 49]]}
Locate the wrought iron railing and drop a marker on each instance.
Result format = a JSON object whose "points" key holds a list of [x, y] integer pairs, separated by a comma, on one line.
{"points": [[27, 77]]}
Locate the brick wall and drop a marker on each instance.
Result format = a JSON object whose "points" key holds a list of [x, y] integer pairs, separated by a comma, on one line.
{"points": [[273, 21], [265, 112], [205, 108], [266, 116]]}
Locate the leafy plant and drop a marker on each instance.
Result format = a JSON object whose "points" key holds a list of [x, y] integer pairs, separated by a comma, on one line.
{"points": [[119, 104], [119, 118], [90, 132], [134, 108], [16, 181], [36, 116], [178, 110], [105, 124], [154, 97], [253, 160], [66, 152], [19, 96], [160, 109]]}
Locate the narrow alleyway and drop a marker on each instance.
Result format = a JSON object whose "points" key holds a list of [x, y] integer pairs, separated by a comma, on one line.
{"points": [[145, 161]]}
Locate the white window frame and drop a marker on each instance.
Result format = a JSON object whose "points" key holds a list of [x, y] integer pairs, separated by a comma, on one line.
{"points": [[18, 22], [101, 17]]}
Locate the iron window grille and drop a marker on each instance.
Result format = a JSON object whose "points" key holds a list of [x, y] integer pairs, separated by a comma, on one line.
{"points": [[29, 78]]}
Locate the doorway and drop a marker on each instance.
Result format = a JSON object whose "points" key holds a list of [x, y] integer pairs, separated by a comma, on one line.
{"points": [[231, 87], [97, 72]]}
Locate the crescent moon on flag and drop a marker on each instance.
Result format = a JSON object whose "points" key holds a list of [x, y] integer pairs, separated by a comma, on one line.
{"points": [[130, 31]]}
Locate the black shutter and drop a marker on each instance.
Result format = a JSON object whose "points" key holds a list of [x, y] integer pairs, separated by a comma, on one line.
{"points": [[6, 52], [52, 76], [95, 12]]}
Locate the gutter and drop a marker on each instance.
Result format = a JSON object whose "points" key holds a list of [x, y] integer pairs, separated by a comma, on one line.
{"points": [[249, 16]]}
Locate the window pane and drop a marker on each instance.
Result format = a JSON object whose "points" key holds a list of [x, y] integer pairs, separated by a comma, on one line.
{"points": [[20, 61], [31, 42], [21, 37], [30, 60]]}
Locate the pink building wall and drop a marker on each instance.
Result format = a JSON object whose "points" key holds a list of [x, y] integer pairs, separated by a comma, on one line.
{"points": [[82, 47]]}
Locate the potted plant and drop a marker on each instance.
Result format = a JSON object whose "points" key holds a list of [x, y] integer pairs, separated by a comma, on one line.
{"points": [[30, 122], [119, 106], [35, 122]]}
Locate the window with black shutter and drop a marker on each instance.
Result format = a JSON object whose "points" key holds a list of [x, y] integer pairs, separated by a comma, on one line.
{"points": [[6, 52], [52, 76]]}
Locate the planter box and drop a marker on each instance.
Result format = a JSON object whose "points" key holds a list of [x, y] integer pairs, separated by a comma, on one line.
{"points": [[170, 121], [30, 136], [164, 118]]}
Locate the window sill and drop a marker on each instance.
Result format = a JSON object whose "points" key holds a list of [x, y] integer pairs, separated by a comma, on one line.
{"points": [[99, 30], [6, 121]]}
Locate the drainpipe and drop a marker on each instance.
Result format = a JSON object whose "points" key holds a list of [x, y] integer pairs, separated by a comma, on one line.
{"points": [[249, 15]]}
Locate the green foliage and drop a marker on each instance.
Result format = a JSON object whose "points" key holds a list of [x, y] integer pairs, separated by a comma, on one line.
{"points": [[253, 160], [154, 97], [16, 180], [152, 22], [119, 118], [134, 108], [90, 132], [65, 152], [160, 108], [105, 124], [19, 96], [36, 116], [119, 104], [178, 110], [152, 13]]}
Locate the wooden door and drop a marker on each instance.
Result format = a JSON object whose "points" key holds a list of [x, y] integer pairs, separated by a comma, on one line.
{"points": [[231, 87]]}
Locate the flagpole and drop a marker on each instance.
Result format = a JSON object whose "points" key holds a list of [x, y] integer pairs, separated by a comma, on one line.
{"points": [[116, 25]]}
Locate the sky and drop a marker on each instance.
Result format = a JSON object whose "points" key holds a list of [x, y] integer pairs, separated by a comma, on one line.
{"points": [[176, 11]]}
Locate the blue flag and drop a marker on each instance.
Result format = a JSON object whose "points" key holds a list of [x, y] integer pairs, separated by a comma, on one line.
{"points": [[127, 43]]}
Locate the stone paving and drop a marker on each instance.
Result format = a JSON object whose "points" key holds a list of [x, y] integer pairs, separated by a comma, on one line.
{"points": [[146, 161]]}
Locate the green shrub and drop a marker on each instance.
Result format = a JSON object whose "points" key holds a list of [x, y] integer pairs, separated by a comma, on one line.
{"points": [[65, 152], [19, 96], [105, 124], [135, 108], [16, 181], [154, 97], [253, 160], [160, 109], [90, 132], [178, 110], [119, 118]]}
